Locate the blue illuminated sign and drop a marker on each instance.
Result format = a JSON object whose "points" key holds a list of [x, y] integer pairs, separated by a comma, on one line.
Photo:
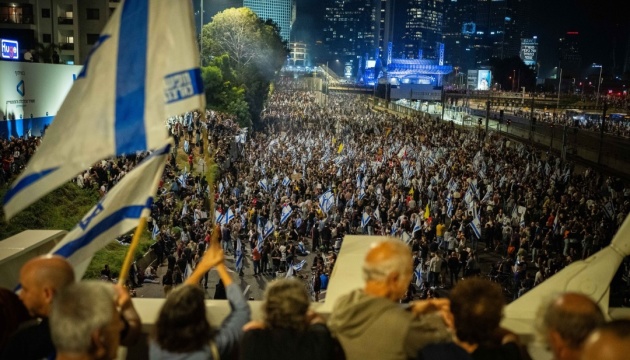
{"points": [[10, 49]]}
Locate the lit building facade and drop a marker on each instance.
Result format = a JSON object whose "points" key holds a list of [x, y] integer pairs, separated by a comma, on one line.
{"points": [[282, 12], [423, 28], [73, 26]]}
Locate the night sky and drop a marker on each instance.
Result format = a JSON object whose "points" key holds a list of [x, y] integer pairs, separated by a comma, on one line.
{"points": [[603, 26]]}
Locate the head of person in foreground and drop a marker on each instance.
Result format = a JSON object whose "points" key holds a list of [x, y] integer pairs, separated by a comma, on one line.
{"points": [[387, 269], [84, 321]]}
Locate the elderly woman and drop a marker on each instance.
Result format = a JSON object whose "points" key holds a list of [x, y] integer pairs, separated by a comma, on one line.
{"points": [[182, 329], [289, 330]]}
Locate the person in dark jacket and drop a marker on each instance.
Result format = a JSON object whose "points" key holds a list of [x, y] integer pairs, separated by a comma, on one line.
{"points": [[289, 330]]}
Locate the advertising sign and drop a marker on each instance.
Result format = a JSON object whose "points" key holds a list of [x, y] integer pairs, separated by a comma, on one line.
{"points": [[10, 49], [529, 51], [484, 80]]}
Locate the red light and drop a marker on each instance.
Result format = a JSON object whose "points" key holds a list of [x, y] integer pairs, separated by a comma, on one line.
{"points": [[572, 33]]}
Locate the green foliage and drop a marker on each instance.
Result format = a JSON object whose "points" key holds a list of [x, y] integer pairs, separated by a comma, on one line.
{"points": [[249, 52], [62, 209]]}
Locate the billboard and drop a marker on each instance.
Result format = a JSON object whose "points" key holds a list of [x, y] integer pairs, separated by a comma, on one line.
{"points": [[529, 51], [10, 49], [479, 79], [31, 94], [484, 80]]}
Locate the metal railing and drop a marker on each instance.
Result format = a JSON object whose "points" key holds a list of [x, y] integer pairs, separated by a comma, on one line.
{"points": [[65, 20]]}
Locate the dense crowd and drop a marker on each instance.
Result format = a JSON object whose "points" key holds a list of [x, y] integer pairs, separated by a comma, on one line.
{"points": [[312, 175]]}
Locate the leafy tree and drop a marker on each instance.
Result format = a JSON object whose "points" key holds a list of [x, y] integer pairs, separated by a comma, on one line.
{"points": [[221, 93], [249, 52]]}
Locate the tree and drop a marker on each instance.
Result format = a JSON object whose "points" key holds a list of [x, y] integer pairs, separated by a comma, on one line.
{"points": [[220, 92], [251, 52]]}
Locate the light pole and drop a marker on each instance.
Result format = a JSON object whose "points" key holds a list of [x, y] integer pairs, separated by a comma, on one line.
{"points": [[559, 88], [513, 78], [200, 24], [599, 83]]}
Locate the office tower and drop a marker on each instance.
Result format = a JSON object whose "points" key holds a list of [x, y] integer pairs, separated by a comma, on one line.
{"points": [[423, 28], [569, 55], [282, 12]]}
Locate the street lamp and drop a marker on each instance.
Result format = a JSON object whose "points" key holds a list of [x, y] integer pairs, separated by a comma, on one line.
{"points": [[513, 77], [598, 83]]}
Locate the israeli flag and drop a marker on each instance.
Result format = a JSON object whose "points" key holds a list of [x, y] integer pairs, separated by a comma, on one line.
{"points": [[418, 273], [221, 187], [260, 242], [361, 194], [609, 210], [117, 213], [268, 229], [417, 226], [229, 215], [486, 197], [218, 217], [365, 218], [449, 206], [121, 98], [286, 213], [351, 202], [156, 231], [298, 222], [275, 180], [475, 224], [286, 181], [186, 146], [289, 271], [263, 184], [326, 201], [299, 266], [239, 256], [181, 179]]}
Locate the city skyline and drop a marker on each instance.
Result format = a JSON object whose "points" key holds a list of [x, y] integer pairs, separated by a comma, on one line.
{"points": [[603, 32]]}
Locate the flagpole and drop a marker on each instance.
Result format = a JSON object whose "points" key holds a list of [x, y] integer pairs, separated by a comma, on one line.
{"points": [[124, 272]]}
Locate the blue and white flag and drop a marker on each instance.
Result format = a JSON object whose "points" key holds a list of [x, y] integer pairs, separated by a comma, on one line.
{"points": [[475, 224], [156, 231], [260, 242], [286, 181], [418, 273], [361, 194], [289, 271], [416, 226], [221, 188], [365, 219], [228, 216], [117, 213], [268, 229], [263, 184], [299, 266], [298, 222], [449, 206], [239, 256], [326, 201], [130, 84], [286, 213], [275, 180], [218, 217]]}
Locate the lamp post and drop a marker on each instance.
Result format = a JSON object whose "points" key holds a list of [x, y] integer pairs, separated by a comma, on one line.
{"points": [[599, 83], [513, 78], [559, 88], [200, 24]]}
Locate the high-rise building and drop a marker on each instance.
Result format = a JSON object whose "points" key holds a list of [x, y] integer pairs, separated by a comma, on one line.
{"points": [[569, 55], [73, 26], [477, 30], [356, 30], [282, 12], [423, 28]]}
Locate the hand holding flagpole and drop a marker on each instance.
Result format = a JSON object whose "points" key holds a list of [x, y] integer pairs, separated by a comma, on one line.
{"points": [[124, 272]]}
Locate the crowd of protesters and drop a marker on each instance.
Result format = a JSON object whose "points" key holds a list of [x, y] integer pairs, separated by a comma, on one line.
{"points": [[317, 172]]}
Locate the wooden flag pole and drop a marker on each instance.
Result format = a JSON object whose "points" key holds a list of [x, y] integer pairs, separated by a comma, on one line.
{"points": [[124, 272]]}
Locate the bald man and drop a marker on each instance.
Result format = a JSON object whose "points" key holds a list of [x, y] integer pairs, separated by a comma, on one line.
{"points": [[610, 341], [566, 321], [371, 324], [41, 279]]}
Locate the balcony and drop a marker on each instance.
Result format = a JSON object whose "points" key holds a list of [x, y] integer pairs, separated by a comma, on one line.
{"points": [[66, 46], [65, 20], [17, 19]]}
